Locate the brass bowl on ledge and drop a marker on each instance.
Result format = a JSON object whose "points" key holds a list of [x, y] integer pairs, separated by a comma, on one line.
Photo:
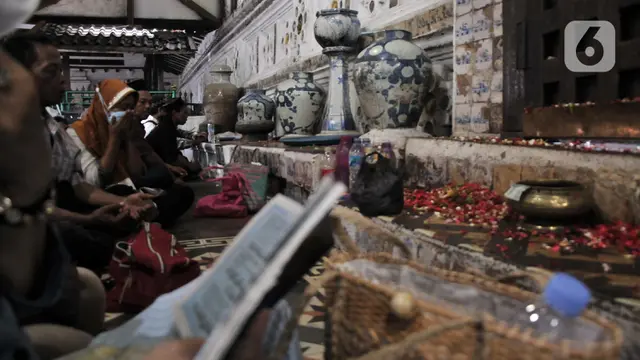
{"points": [[551, 199]]}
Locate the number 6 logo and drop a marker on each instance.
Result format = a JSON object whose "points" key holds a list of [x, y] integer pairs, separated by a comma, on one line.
{"points": [[589, 46]]}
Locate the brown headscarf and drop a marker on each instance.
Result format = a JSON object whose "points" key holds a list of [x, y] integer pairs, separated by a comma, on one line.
{"points": [[94, 129]]}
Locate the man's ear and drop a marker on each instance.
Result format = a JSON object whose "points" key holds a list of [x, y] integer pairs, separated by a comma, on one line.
{"points": [[45, 3]]}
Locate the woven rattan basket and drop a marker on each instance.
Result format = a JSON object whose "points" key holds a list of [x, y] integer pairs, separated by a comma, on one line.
{"points": [[363, 323]]}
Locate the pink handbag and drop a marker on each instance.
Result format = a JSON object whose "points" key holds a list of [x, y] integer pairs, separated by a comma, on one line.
{"points": [[230, 202]]}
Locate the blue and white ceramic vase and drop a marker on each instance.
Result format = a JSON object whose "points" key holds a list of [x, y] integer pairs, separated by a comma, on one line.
{"points": [[336, 27], [390, 76], [299, 104], [255, 114]]}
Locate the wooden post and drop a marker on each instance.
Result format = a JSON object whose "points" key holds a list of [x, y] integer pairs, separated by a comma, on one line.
{"points": [[66, 72], [148, 65], [159, 72], [130, 12]]}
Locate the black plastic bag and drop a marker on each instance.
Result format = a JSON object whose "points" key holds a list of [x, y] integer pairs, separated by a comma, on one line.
{"points": [[378, 189]]}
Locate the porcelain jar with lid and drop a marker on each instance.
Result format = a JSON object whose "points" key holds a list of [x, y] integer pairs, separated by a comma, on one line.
{"points": [[255, 114]]}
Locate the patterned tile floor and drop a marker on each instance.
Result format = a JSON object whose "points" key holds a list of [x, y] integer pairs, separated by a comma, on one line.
{"points": [[311, 328]]}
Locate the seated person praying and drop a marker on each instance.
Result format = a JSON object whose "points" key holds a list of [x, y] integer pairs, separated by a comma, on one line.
{"points": [[109, 156], [91, 220], [164, 140]]}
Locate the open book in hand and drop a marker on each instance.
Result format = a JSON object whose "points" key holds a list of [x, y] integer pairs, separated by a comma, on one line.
{"points": [[271, 253]]}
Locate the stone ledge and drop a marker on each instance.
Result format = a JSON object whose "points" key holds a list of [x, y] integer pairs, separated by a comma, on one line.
{"points": [[300, 168], [612, 178]]}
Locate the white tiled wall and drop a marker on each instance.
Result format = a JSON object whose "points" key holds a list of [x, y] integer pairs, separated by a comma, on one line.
{"points": [[478, 67]]}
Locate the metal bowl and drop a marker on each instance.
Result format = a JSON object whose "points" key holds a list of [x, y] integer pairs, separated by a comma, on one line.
{"points": [[552, 199]]}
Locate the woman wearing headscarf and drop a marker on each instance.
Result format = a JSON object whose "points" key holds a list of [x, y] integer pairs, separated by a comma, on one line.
{"points": [[107, 136], [102, 135]]}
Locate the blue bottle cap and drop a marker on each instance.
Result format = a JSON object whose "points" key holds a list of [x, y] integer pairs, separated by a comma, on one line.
{"points": [[567, 295]]}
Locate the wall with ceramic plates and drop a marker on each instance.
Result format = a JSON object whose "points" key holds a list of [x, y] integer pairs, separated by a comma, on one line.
{"points": [[264, 41], [478, 67]]}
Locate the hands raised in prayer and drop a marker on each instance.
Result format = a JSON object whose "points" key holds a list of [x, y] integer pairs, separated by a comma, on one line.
{"points": [[124, 127]]}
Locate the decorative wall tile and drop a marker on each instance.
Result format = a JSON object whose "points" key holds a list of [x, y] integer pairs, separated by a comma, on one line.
{"points": [[463, 7], [497, 19], [267, 50], [464, 86], [302, 26], [480, 118], [428, 22], [464, 29], [462, 121], [478, 67], [481, 86], [496, 87], [481, 23], [373, 7], [484, 55], [464, 58], [479, 4], [495, 116], [285, 38]]}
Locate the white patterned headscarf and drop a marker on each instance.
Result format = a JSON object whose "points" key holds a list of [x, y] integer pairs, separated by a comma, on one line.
{"points": [[15, 12]]}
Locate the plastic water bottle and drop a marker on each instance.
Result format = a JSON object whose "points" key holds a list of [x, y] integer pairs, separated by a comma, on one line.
{"points": [[211, 133], [387, 151], [327, 163], [367, 146], [356, 153], [555, 315], [342, 159]]}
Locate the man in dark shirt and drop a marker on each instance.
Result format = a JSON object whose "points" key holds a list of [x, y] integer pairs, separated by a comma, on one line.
{"points": [[164, 138], [177, 198]]}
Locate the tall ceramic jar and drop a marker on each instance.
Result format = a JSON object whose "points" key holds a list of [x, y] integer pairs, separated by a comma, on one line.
{"points": [[390, 76], [255, 114], [220, 99], [299, 105]]}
